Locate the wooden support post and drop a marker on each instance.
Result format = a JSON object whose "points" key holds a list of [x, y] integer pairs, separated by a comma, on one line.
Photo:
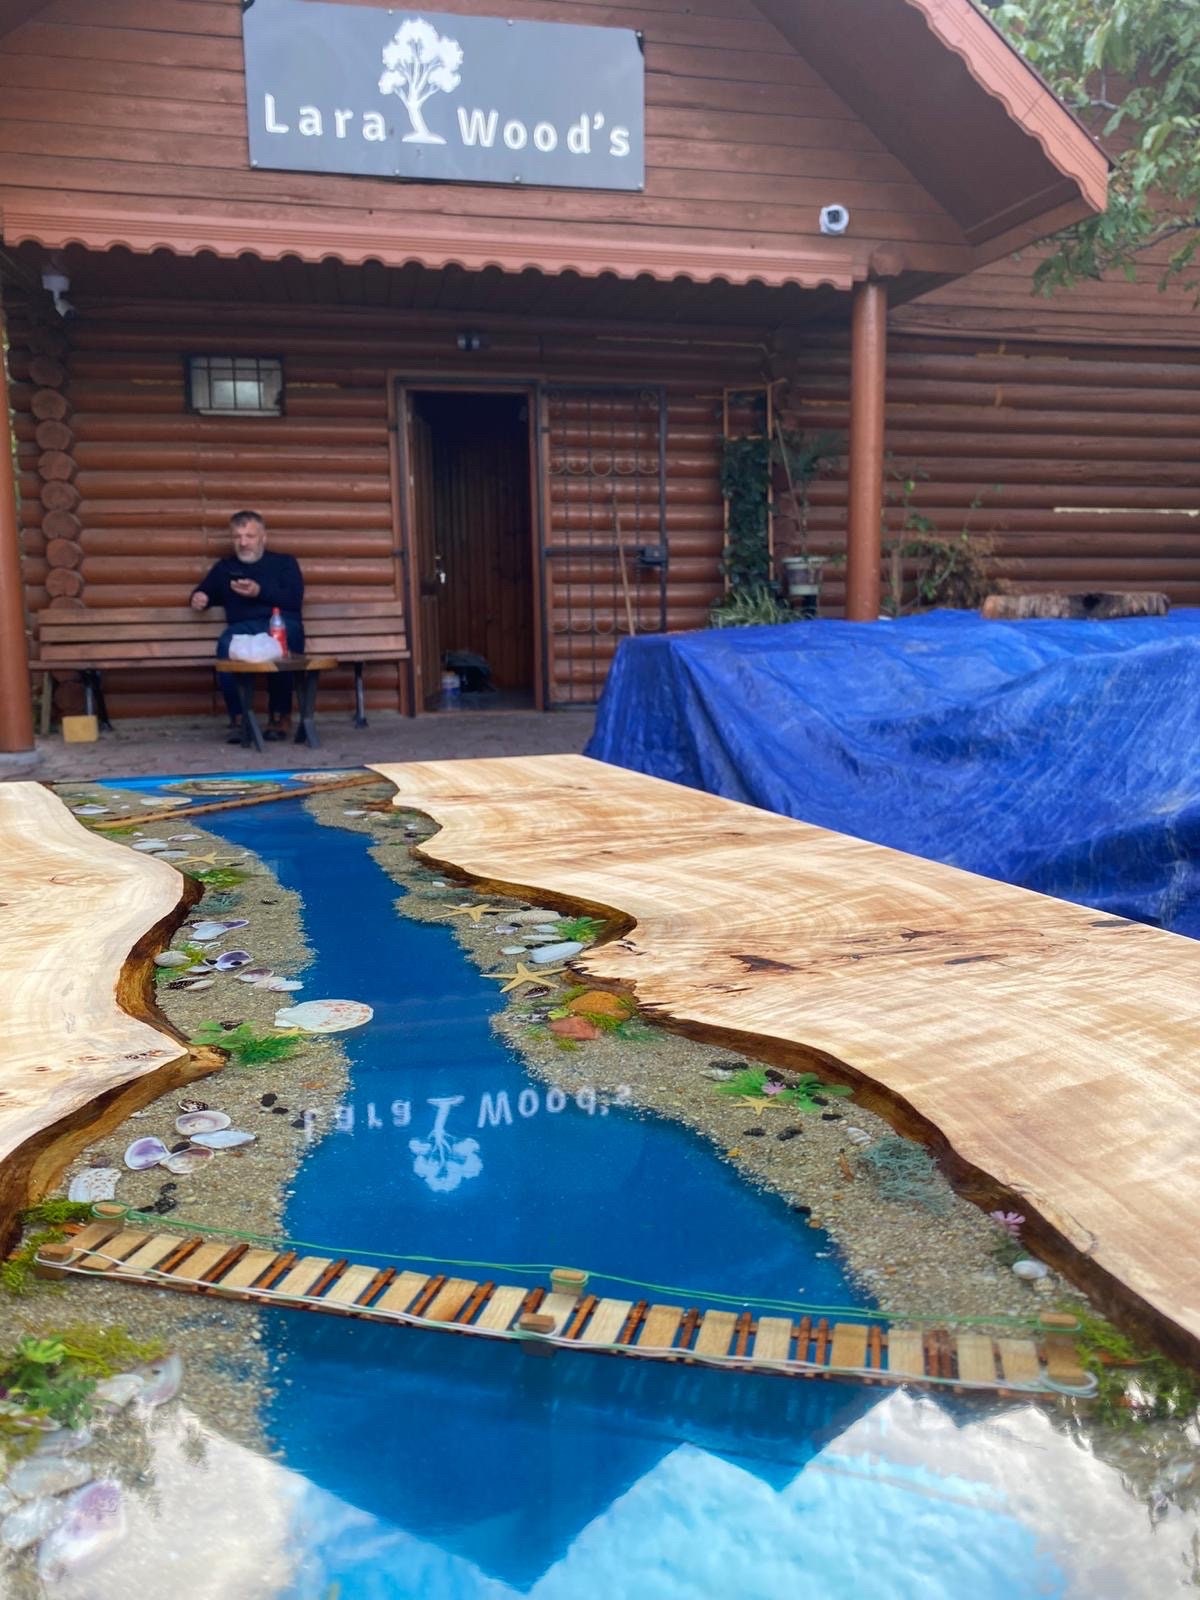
{"points": [[868, 369], [16, 701]]}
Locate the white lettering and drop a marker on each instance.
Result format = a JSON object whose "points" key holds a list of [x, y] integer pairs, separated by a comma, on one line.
{"points": [[516, 135], [310, 122], [343, 1118], [545, 136], [618, 142], [475, 128], [374, 1120], [586, 1101], [623, 1096], [579, 137], [401, 1113], [272, 124], [528, 1102], [556, 1100], [341, 120], [493, 1113], [374, 127]]}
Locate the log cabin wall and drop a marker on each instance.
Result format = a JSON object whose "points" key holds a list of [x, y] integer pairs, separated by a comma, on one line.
{"points": [[152, 484], [1076, 463]]}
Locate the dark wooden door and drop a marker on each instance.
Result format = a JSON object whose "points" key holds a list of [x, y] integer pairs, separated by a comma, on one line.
{"points": [[426, 558]]}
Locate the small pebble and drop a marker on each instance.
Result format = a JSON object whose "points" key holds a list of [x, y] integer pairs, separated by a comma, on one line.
{"points": [[800, 1210], [791, 1132], [280, 1111], [754, 1133], [830, 1116], [268, 1099]]}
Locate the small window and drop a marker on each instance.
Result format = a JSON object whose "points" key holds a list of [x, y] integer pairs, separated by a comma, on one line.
{"points": [[250, 386]]}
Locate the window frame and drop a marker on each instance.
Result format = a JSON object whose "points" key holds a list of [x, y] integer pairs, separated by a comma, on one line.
{"points": [[258, 412]]}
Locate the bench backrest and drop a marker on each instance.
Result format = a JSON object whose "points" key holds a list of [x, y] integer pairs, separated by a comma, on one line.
{"points": [[352, 630]]}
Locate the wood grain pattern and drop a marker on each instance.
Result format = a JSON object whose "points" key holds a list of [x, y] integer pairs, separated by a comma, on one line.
{"points": [[76, 1027], [1046, 1050]]}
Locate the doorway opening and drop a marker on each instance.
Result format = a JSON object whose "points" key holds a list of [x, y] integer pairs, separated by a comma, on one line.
{"points": [[472, 544]]}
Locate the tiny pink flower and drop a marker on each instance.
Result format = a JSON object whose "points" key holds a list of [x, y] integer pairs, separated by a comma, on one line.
{"points": [[771, 1087], [1013, 1221]]}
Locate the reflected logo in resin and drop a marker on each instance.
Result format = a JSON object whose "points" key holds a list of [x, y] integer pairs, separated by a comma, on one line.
{"points": [[441, 1161]]}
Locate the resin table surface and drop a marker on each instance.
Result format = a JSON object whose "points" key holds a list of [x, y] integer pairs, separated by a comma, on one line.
{"points": [[73, 909], [1046, 1051]]}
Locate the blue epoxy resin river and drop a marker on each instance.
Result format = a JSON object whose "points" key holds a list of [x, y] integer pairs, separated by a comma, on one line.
{"points": [[446, 1468]]}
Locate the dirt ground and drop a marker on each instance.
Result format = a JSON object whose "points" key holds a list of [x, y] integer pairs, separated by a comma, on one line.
{"points": [[144, 746]]}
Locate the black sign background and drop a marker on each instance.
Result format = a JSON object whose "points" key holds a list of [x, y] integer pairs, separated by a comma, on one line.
{"points": [[466, 99]]}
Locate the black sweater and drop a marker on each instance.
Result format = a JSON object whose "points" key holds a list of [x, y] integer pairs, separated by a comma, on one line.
{"points": [[279, 580]]}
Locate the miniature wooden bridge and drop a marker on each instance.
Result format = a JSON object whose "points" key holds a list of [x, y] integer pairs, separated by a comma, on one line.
{"points": [[1037, 1365]]}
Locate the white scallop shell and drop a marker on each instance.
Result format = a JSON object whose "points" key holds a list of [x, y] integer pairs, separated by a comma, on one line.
{"points": [[193, 1122], [144, 1153], [1031, 1271], [858, 1136], [277, 985], [94, 1183], [150, 844], [324, 1016], [185, 1161], [222, 1138], [172, 958], [232, 959], [254, 975], [200, 983], [89, 811]]}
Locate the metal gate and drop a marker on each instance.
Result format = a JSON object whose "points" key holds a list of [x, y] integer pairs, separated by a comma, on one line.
{"points": [[604, 530]]}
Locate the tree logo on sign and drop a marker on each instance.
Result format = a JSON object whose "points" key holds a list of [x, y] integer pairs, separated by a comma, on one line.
{"points": [[419, 63]]}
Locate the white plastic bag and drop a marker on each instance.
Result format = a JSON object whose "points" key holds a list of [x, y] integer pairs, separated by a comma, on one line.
{"points": [[254, 647]]}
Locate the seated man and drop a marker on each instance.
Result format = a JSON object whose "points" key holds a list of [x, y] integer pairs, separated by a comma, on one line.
{"points": [[250, 584]]}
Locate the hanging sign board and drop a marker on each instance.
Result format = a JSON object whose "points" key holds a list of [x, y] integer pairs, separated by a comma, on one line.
{"points": [[450, 99]]}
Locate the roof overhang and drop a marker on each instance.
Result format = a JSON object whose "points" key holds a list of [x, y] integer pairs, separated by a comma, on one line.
{"points": [[943, 89]]}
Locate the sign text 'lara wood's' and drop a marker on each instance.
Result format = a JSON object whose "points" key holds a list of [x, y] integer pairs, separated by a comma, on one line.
{"points": [[420, 94]]}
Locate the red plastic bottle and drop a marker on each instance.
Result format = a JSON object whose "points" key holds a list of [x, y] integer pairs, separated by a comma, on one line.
{"points": [[277, 630]]}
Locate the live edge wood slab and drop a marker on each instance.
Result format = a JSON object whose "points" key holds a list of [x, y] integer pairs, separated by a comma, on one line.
{"points": [[81, 1043], [1049, 1054]]}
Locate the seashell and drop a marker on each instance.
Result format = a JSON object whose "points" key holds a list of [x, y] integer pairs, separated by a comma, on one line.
{"points": [[172, 855], [504, 927], [145, 1153], [94, 1519], [190, 1160], [94, 1183], [31, 1522], [548, 953], [89, 811], [1030, 1270], [151, 844], [194, 984], [207, 931], [181, 838], [63, 1442], [858, 1136], [512, 950], [324, 1016], [172, 958], [41, 1475], [354, 813], [193, 1105], [232, 960], [160, 1381], [277, 985], [194, 1122], [222, 1139], [118, 1391], [254, 975]]}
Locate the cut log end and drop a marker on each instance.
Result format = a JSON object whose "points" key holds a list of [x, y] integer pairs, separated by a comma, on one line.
{"points": [[1095, 606]]}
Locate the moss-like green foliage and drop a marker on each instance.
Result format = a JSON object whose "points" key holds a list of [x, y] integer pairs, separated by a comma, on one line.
{"points": [[220, 877], [249, 1046], [101, 1350], [55, 1211], [1144, 1388], [903, 1172], [16, 1273]]}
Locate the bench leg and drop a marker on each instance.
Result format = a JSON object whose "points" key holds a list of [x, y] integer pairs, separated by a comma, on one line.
{"points": [[47, 706], [306, 733], [93, 698], [360, 699], [251, 732]]}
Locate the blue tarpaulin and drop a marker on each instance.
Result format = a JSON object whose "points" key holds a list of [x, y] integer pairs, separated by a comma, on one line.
{"points": [[1062, 756]]}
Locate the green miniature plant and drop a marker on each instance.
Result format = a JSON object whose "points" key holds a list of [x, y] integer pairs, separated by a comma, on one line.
{"points": [[55, 1211], [806, 1091], [1135, 1386], [249, 1046], [220, 877], [102, 1351], [582, 930], [756, 605], [55, 1376], [195, 954]]}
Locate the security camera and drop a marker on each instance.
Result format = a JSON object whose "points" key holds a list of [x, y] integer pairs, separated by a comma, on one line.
{"points": [[835, 219], [56, 283]]}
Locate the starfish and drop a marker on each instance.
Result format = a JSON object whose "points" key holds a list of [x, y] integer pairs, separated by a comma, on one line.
{"points": [[524, 975], [474, 912], [215, 858], [758, 1103]]}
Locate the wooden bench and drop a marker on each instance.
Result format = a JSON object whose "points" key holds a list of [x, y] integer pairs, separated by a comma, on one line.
{"points": [[90, 642]]}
